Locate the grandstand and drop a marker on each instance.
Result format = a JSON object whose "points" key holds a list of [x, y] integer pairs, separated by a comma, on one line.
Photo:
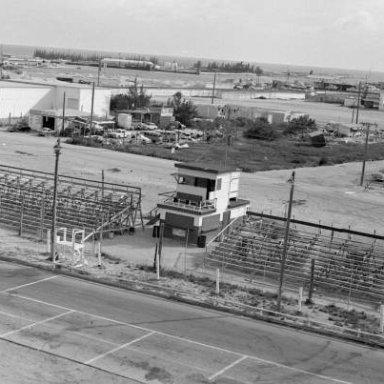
{"points": [[345, 261], [26, 203]]}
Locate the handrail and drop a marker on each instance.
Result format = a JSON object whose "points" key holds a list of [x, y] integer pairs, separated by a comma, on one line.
{"points": [[107, 223], [222, 231], [198, 206]]}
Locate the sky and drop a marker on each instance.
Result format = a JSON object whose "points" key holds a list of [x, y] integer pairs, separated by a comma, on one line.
{"points": [[321, 33]]}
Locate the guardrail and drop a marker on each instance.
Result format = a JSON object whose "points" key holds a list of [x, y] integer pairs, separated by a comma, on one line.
{"points": [[206, 205]]}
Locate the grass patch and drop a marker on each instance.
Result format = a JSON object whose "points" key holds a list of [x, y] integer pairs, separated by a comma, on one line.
{"points": [[252, 155]]}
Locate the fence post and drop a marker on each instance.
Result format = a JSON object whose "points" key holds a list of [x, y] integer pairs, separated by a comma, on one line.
{"points": [[300, 297], [157, 262], [217, 281], [42, 217], [21, 217], [99, 254], [382, 318], [310, 292], [48, 240]]}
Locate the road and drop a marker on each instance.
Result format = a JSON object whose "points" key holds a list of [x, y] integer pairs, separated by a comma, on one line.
{"points": [[57, 329]]}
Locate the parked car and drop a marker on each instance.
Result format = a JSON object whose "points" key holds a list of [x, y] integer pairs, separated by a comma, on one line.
{"points": [[146, 126], [143, 139], [181, 146], [150, 126], [46, 132], [117, 134], [175, 125], [155, 136]]}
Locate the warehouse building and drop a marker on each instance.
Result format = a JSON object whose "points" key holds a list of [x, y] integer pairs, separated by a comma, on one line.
{"points": [[43, 102]]}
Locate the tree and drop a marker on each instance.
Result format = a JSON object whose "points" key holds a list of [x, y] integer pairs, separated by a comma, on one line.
{"points": [[197, 66], [134, 99], [260, 129], [258, 72], [184, 111], [154, 60], [300, 125]]}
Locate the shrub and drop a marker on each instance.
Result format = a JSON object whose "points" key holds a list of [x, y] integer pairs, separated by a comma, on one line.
{"points": [[260, 129], [300, 125]]}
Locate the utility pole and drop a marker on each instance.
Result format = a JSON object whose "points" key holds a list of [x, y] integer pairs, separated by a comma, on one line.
{"points": [[63, 127], [358, 103], [285, 246], [368, 126], [214, 87], [57, 152], [92, 102], [98, 73]]}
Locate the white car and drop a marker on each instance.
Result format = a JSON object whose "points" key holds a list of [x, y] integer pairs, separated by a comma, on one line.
{"points": [[149, 126], [118, 134]]}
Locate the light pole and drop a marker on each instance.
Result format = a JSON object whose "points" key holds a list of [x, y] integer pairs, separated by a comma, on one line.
{"points": [[57, 152], [285, 246]]}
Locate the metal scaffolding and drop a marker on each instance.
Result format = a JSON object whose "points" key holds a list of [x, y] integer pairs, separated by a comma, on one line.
{"points": [[26, 203]]}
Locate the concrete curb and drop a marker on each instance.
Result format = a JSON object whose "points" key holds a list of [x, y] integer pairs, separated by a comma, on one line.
{"points": [[214, 304]]}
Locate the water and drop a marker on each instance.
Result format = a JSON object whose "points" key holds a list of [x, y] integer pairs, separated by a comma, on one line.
{"points": [[348, 75]]}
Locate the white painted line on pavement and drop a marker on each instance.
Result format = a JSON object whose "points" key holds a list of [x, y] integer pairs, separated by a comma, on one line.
{"points": [[330, 379], [120, 347], [26, 285], [34, 324], [227, 367], [12, 315], [46, 303]]}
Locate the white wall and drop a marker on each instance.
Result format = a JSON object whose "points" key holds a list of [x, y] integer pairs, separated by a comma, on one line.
{"points": [[234, 185], [101, 102], [19, 100], [72, 97], [222, 196]]}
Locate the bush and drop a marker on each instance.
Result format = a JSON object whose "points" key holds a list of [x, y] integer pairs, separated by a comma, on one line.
{"points": [[260, 129], [301, 125]]}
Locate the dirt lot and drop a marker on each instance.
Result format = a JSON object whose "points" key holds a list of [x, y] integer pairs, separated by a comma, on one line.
{"points": [[329, 193]]}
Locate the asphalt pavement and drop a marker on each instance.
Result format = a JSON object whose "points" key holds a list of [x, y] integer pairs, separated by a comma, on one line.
{"points": [[58, 329]]}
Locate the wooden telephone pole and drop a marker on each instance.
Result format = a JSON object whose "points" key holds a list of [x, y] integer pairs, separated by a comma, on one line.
{"points": [[57, 151], [285, 246], [358, 103], [368, 126], [214, 88], [92, 102]]}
